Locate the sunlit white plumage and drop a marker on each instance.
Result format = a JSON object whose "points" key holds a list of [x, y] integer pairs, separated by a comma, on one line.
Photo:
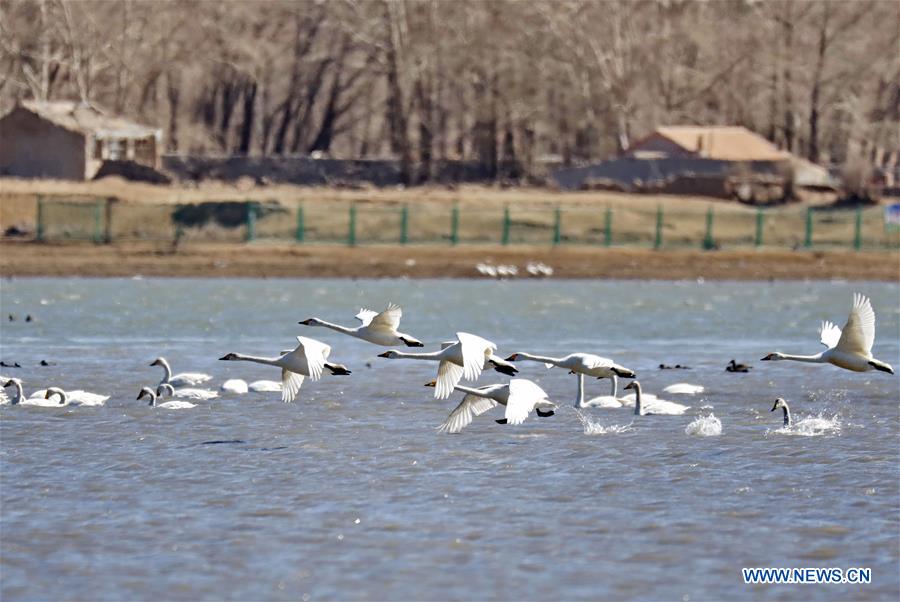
{"points": [[265, 386], [611, 401], [378, 328], [167, 405], [463, 359], [643, 406], [684, 389], [492, 361], [580, 363], [76, 397], [520, 396], [236, 386], [186, 393], [184, 379], [37, 398], [309, 358], [850, 348]]}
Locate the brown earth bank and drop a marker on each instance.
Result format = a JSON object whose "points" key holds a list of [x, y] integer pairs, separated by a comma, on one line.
{"points": [[322, 261]]}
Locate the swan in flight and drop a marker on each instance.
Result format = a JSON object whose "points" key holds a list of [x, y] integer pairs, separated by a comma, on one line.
{"points": [[307, 359], [579, 363], [168, 389], [169, 405], [653, 406], [851, 348], [76, 398], [185, 379], [492, 361], [379, 328], [520, 396], [463, 359], [37, 398], [781, 403], [234, 385], [684, 389], [265, 386]]}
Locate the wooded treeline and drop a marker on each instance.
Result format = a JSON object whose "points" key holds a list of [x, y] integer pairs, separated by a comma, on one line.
{"points": [[504, 84]]}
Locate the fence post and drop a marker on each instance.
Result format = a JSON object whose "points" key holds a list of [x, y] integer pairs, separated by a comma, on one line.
{"points": [[809, 228], [708, 242], [98, 222], [404, 224], [454, 225], [351, 233], [857, 233], [557, 227], [760, 217], [659, 224], [251, 221], [505, 238], [300, 234], [607, 228], [39, 231], [108, 217]]}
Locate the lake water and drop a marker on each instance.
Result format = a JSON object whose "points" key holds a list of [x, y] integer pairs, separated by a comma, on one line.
{"points": [[349, 493]]}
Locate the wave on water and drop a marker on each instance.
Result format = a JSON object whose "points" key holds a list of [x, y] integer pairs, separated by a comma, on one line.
{"points": [[595, 428], [704, 426], [812, 426]]}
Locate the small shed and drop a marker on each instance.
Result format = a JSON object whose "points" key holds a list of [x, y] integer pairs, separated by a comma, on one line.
{"points": [[717, 142], [71, 140]]}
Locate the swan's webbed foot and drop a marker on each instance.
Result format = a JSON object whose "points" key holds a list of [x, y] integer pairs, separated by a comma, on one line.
{"points": [[338, 369], [507, 370], [500, 421], [412, 342], [544, 414], [881, 366]]}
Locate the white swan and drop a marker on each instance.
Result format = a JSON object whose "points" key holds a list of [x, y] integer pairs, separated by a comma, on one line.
{"points": [[265, 386], [656, 406], [168, 389], [169, 405], [492, 361], [379, 328], [684, 389], [464, 358], [781, 403], [851, 348], [307, 359], [611, 401], [580, 363], [234, 385], [76, 397], [520, 396], [180, 380], [36, 399]]}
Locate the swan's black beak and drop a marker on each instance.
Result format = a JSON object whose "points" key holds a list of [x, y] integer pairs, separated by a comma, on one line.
{"points": [[141, 394], [385, 354], [513, 357], [431, 384], [501, 421], [765, 359], [306, 322], [155, 363], [774, 406], [227, 356]]}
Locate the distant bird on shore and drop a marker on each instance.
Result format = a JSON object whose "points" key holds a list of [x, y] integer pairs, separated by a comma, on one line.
{"points": [[309, 358], [850, 348], [735, 367], [378, 328], [179, 380]]}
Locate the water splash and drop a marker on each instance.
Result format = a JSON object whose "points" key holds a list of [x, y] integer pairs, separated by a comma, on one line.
{"points": [[812, 426], [704, 426], [595, 428]]}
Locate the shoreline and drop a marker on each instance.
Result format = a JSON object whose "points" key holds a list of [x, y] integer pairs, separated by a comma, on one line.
{"points": [[255, 260]]}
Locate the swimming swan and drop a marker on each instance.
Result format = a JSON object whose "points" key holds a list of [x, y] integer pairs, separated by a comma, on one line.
{"points": [[520, 396], [37, 398], [168, 389], [265, 386], [580, 363], [684, 389], [492, 361], [180, 380], [464, 358], [650, 407], [169, 405], [611, 401], [76, 398], [307, 359], [781, 403], [851, 348], [237, 386], [379, 328]]}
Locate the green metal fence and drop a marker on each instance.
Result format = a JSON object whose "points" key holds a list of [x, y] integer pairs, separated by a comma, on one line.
{"points": [[710, 227]]}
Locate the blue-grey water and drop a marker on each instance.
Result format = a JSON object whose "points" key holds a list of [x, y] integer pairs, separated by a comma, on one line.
{"points": [[349, 493]]}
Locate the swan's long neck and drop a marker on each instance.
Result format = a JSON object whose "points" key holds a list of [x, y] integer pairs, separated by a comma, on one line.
{"points": [[152, 397], [168, 370], [787, 416], [62, 396], [472, 391], [812, 359], [615, 385], [539, 358], [337, 327], [269, 361], [20, 394], [637, 399], [579, 401], [430, 355]]}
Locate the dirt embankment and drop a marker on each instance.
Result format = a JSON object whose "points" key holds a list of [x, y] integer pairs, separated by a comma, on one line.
{"points": [[262, 260]]}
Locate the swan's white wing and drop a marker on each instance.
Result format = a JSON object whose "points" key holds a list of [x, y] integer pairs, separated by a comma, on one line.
{"points": [[595, 361], [523, 395], [290, 384], [829, 334], [859, 331], [314, 354], [365, 316], [448, 376], [462, 415], [475, 350], [86, 398], [389, 318]]}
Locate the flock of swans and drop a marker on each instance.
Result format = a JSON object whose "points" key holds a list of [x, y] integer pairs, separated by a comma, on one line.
{"points": [[465, 358]]}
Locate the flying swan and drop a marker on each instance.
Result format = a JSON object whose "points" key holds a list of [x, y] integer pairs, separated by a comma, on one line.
{"points": [[851, 348], [169, 405], [520, 397], [492, 361], [307, 359], [463, 359], [379, 328], [185, 379]]}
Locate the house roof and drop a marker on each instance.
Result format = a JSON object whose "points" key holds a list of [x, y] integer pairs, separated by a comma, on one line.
{"points": [[85, 118], [722, 142]]}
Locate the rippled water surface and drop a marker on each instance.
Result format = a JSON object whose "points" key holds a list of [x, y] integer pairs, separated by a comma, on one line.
{"points": [[349, 493]]}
